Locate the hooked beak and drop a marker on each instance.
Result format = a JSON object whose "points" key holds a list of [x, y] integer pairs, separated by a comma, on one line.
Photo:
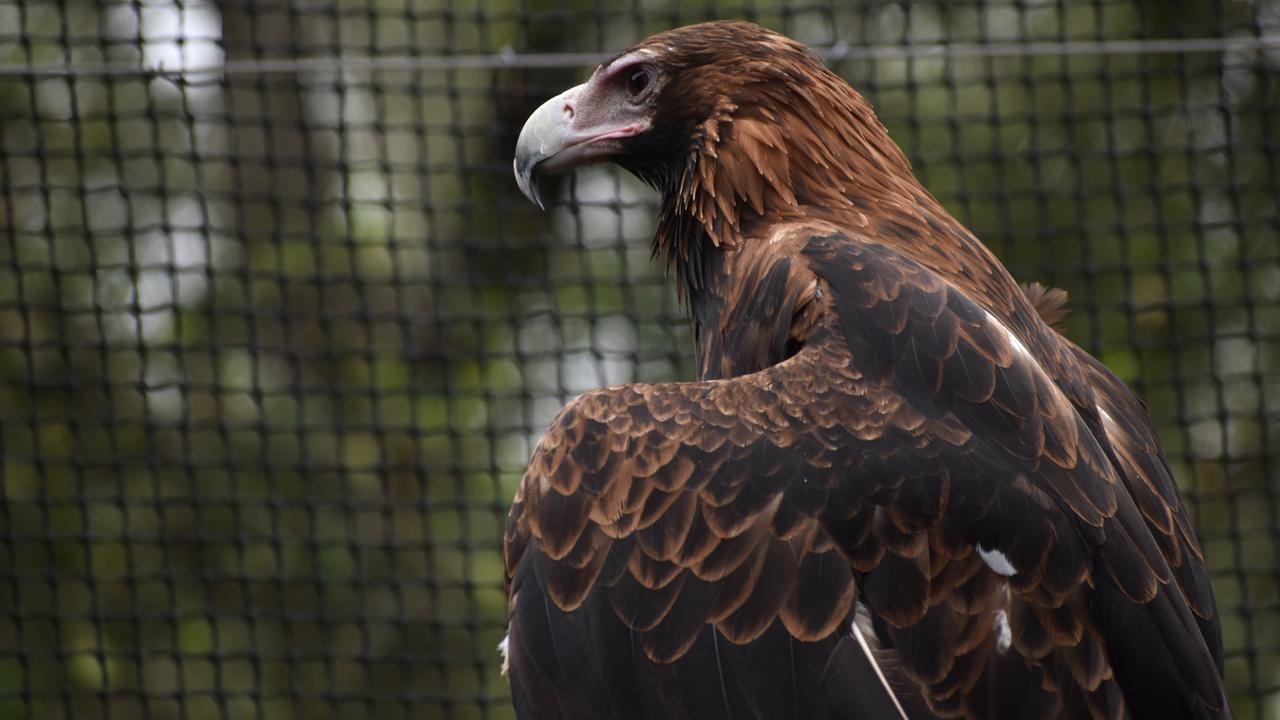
{"points": [[563, 134]]}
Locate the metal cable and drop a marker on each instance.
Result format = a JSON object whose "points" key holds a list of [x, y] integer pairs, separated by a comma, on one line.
{"points": [[508, 58]]}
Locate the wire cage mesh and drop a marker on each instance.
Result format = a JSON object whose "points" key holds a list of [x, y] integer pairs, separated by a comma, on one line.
{"points": [[277, 329]]}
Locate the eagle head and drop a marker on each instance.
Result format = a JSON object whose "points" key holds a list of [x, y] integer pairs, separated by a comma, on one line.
{"points": [[733, 123], [653, 107]]}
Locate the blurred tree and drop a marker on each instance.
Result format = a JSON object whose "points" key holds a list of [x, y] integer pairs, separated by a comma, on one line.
{"points": [[274, 344]]}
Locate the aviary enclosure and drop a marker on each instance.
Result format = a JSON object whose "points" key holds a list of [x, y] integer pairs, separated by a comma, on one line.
{"points": [[278, 331]]}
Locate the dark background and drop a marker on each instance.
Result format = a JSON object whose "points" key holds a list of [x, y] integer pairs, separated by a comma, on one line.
{"points": [[275, 340]]}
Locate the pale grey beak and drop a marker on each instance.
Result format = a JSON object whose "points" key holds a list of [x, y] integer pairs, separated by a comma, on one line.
{"points": [[544, 135], [563, 133]]}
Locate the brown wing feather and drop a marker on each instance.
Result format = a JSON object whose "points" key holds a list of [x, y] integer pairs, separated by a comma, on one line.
{"points": [[1056, 498], [1144, 472], [712, 520], [1050, 303]]}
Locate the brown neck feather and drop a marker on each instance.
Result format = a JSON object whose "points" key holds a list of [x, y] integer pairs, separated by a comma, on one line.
{"points": [[786, 149]]}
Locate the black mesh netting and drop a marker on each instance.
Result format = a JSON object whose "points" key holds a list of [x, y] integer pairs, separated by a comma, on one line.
{"points": [[277, 329]]}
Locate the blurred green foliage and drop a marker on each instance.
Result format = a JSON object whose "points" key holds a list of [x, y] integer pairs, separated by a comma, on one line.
{"points": [[274, 346]]}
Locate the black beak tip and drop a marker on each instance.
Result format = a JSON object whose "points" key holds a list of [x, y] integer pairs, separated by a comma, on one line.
{"points": [[526, 172]]}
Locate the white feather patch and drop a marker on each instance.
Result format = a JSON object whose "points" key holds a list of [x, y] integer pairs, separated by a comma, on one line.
{"points": [[502, 650], [997, 561], [1004, 634]]}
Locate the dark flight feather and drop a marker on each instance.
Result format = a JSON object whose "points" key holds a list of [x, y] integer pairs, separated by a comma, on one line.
{"points": [[886, 429]]}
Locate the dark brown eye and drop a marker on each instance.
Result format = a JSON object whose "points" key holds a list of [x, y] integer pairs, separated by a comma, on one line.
{"points": [[637, 81]]}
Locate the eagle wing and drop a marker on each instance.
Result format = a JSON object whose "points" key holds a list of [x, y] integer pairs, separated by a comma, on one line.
{"points": [[651, 514], [913, 456]]}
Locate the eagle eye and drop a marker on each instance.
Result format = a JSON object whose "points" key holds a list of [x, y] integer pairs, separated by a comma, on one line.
{"points": [[638, 80]]}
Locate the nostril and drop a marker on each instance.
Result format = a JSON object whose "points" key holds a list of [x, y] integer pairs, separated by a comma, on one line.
{"points": [[568, 111]]}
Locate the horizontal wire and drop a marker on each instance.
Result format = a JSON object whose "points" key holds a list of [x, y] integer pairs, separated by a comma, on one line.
{"points": [[509, 59]]}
